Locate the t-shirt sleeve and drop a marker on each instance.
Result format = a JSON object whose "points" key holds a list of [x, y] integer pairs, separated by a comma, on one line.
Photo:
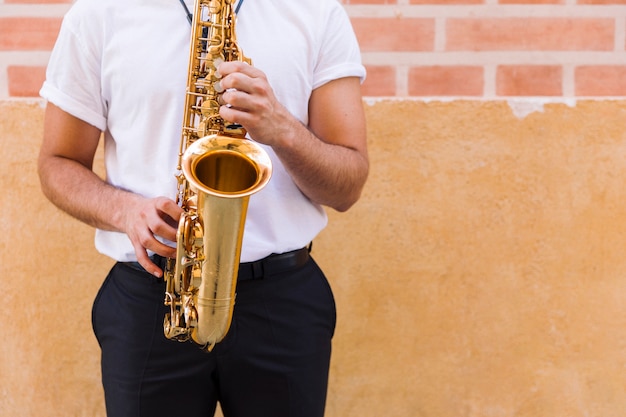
{"points": [[339, 54], [73, 75]]}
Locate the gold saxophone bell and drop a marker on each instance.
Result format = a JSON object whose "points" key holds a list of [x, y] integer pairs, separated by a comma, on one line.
{"points": [[223, 172]]}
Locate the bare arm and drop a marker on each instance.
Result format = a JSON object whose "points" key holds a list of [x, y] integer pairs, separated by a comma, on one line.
{"points": [[65, 171], [328, 159]]}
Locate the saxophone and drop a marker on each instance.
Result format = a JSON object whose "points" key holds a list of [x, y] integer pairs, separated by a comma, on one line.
{"points": [[218, 170]]}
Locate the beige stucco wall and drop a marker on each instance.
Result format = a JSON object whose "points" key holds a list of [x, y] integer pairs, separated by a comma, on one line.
{"points": [[483, 274]]}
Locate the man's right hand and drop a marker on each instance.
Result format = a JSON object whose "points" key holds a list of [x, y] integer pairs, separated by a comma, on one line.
{"points": [[147, 220]]}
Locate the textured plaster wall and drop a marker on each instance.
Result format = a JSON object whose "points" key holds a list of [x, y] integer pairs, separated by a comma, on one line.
{"points": [[482, 274]]}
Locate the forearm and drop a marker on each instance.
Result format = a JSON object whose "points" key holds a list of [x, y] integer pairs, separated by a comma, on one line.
{"points": [[82, 194], [328, 174], [66, 177]]}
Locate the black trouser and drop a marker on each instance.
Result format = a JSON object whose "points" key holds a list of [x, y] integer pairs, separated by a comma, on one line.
{"points": [[273, 362]]}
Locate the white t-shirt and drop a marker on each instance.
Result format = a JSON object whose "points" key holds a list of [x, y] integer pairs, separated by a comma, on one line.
{"points": [[122, 67]]}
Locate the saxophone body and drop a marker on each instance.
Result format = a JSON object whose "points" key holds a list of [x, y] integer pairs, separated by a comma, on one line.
{"points": [[218, 172]]}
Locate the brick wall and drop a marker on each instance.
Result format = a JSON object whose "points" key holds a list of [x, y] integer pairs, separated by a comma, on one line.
{"points": [[421, 48]]}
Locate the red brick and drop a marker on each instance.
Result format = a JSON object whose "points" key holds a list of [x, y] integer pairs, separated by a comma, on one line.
{"points": [[446, 81], [395, 34], [528, 34], [25, 81], [380, 81], [529, 80], [36, 1], [601, 1], [531, 1], [596, 80], [28, 33]]}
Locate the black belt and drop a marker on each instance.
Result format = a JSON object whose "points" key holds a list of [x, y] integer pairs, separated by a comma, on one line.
{"points": [[273, 264], [270, 265]]}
